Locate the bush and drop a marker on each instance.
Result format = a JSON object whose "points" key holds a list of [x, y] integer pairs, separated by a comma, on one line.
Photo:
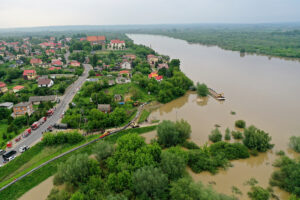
{"points": [[257, 139], [202, 90], [295, 143], [215, 135], [203, 160], [240, 123], [190, 145], [227, 134], [171, 134], [237, 135], [230, 151], [259, 193], [50, 139]]}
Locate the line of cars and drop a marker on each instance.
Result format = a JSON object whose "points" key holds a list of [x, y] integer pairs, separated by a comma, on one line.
{"points": [[9, 156]]}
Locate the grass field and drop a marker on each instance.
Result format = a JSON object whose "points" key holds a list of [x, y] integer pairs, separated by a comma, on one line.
{"points": [[39, 154], [145, 114]]}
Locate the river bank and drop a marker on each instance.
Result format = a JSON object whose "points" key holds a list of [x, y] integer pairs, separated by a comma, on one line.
{"points": [[259, 90]]}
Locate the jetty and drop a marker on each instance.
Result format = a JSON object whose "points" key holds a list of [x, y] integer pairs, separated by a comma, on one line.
{"points": [[214, 94]]}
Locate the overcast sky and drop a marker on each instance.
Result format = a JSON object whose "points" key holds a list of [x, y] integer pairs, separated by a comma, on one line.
{"points": [[27, 13]]}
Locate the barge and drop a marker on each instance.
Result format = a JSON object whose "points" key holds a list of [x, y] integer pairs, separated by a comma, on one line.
{"points": [[214, 94]]}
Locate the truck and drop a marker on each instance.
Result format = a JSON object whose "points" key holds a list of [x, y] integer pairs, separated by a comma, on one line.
{"points": [[27, 132], [8, 155], [60, 126], [35, 125], [50, 112], [43, 120]]}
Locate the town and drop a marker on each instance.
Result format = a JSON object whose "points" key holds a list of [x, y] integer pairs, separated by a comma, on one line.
{"points": [[36, 74]]}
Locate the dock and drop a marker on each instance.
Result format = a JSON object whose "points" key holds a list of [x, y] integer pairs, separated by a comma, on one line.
{"points": [[214, 94]]}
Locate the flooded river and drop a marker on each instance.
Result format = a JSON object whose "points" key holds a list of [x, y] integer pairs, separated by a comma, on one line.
{"points": [[262, 91]]}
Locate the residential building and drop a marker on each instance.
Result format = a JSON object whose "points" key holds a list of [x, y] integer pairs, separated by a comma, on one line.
{"points": [[75, 63], [3, 87], [104, 108], [23, 108], [7, 105], [118, 97], [130, 56], [124, 72], [29, 74], [163, 65], [45, 82], [156, 76], [96, 40], [39, 99], [35, 61], [116, 44], [125, 65], [54, 68], [18, 88], [152, 59], [56, 62]]}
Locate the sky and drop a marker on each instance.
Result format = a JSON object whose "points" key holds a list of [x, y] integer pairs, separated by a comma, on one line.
{"points": [[31, 13]]}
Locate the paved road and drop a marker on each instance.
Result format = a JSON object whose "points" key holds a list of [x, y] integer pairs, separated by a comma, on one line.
{"points": [[70, 92]]}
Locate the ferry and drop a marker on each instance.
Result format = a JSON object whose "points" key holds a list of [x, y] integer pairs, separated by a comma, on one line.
{"points": [[218, 96]]}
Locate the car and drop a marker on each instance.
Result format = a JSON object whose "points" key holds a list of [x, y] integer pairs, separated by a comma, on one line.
{"points": [[2, 151], [23, 149], [11, 158]]}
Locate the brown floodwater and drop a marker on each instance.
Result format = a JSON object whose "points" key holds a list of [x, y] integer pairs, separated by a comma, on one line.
{"points": [[39, 192], [263, 91]]}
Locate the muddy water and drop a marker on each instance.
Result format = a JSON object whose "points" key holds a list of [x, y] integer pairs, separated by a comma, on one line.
{"points": [[39, 192], [261, 90]]}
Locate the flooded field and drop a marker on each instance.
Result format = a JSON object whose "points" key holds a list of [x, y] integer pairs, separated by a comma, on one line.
{"points": [[261, 90]]}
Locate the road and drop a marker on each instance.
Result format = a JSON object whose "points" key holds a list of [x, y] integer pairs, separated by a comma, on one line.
{"points": [[76, 148], [70, 92]]}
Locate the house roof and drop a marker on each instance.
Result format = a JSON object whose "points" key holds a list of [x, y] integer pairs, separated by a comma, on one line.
{"points": [[151, 56], [28, 72], [158, 78], [163, 65], [42, 98], [117, 41], [54, 68], [95, 38], [56, 62], [124, 72], [104, 107], [152, 75], [6, 104], [23, 104], [18, 87], [35, 61], [44, 81], [2, 85]]}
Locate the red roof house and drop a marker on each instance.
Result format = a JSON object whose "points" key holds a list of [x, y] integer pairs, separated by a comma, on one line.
{"points": [[96, 39], [75, 63], [153, 75], [3, 87], [36, 61], [18, 88], [54, 68], [124, 72], [29, 74], [56, 62]]}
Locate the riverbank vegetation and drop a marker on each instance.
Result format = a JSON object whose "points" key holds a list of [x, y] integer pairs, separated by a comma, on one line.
{"points": [[295, 143], [202, 90], [262, 39]]}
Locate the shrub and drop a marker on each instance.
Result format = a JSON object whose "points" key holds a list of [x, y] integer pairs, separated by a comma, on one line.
{"points": [[240, 123], [227, 134], [190, 145], [50, 139], [295, 143], [202, 90], [215, 135], [203, 160], [237, 135], [259, 193], [230, 151], [257, 139]]}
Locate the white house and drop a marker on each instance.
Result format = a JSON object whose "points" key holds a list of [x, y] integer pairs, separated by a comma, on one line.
{"points": [[45, 82], [126, 65]]}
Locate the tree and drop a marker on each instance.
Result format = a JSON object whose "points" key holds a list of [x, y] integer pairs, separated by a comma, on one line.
{"points": [[240, 123], [103, 150], [295, 143], [184, 129], [150, 183], [77, 169], [173, 164], [167, 134], [259, 193], [257, 139], [227, 134], [215, 135], [186, 189], [202, 90]]}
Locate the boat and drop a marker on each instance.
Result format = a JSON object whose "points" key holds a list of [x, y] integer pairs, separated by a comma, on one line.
{"points": [[214, 94]]}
